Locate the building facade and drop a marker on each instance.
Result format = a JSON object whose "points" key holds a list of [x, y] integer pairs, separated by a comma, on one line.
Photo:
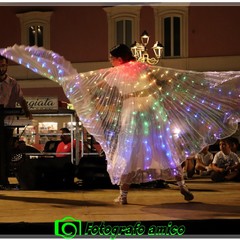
{"points": [[201, 38]]}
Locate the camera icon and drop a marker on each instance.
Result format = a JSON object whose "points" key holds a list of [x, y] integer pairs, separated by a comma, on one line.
{"points": [[68, 227]]}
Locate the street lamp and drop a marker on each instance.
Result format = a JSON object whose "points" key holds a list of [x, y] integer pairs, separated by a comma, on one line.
{"points": [[139, 50]]}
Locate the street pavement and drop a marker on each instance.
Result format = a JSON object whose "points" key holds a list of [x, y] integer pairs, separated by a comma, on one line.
{"points": [[214, 212]]}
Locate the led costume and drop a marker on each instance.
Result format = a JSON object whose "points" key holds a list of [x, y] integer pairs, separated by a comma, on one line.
{"points": [[148, 119]]}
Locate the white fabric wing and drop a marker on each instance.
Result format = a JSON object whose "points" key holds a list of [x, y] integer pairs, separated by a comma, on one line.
{"points": [[148, 119]]}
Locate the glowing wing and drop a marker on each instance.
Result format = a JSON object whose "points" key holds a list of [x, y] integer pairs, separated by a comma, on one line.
{"points": [[41, 61], [145, 117]]}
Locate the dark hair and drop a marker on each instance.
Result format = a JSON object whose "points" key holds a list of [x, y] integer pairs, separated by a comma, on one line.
{"points": [[230, 141], [65, 130], [2, 58], [234, 141], [122, 51]]}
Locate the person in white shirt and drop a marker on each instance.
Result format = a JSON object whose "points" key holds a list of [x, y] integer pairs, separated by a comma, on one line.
{"points": [[204, 161], [226, 164]]}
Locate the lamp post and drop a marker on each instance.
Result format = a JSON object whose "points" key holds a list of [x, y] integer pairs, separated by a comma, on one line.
{"points": [[139, 50]]}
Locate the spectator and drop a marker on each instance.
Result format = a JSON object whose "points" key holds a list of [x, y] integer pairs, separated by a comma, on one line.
{"points": [[235, 145], [204, 161], [189, 167], [65, 145], [226, 163]]}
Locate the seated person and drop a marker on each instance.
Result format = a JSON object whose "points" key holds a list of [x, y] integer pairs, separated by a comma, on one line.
{"points": [[189, 167], [235, 145], [59, 171], [226, 164], [204, 161], [65, 145], [49, 172]]}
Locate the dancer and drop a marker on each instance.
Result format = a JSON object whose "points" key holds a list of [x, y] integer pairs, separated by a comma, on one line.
{"points": [[148, 119]]}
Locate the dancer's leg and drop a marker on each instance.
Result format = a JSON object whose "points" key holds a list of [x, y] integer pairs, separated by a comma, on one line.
{"points": [[125, 184], [188, 196]]}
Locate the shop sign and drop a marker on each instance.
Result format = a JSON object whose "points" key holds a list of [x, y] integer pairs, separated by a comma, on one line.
{"points": [[42, 103]]}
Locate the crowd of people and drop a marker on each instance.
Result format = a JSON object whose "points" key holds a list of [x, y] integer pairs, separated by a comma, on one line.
{"points": [[221, 165]]}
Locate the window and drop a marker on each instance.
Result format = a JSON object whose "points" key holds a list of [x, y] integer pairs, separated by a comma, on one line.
{"points": [[35, 28], [124, 32], [123, 25], [35, 35], [172, 36], [172, 29]]}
